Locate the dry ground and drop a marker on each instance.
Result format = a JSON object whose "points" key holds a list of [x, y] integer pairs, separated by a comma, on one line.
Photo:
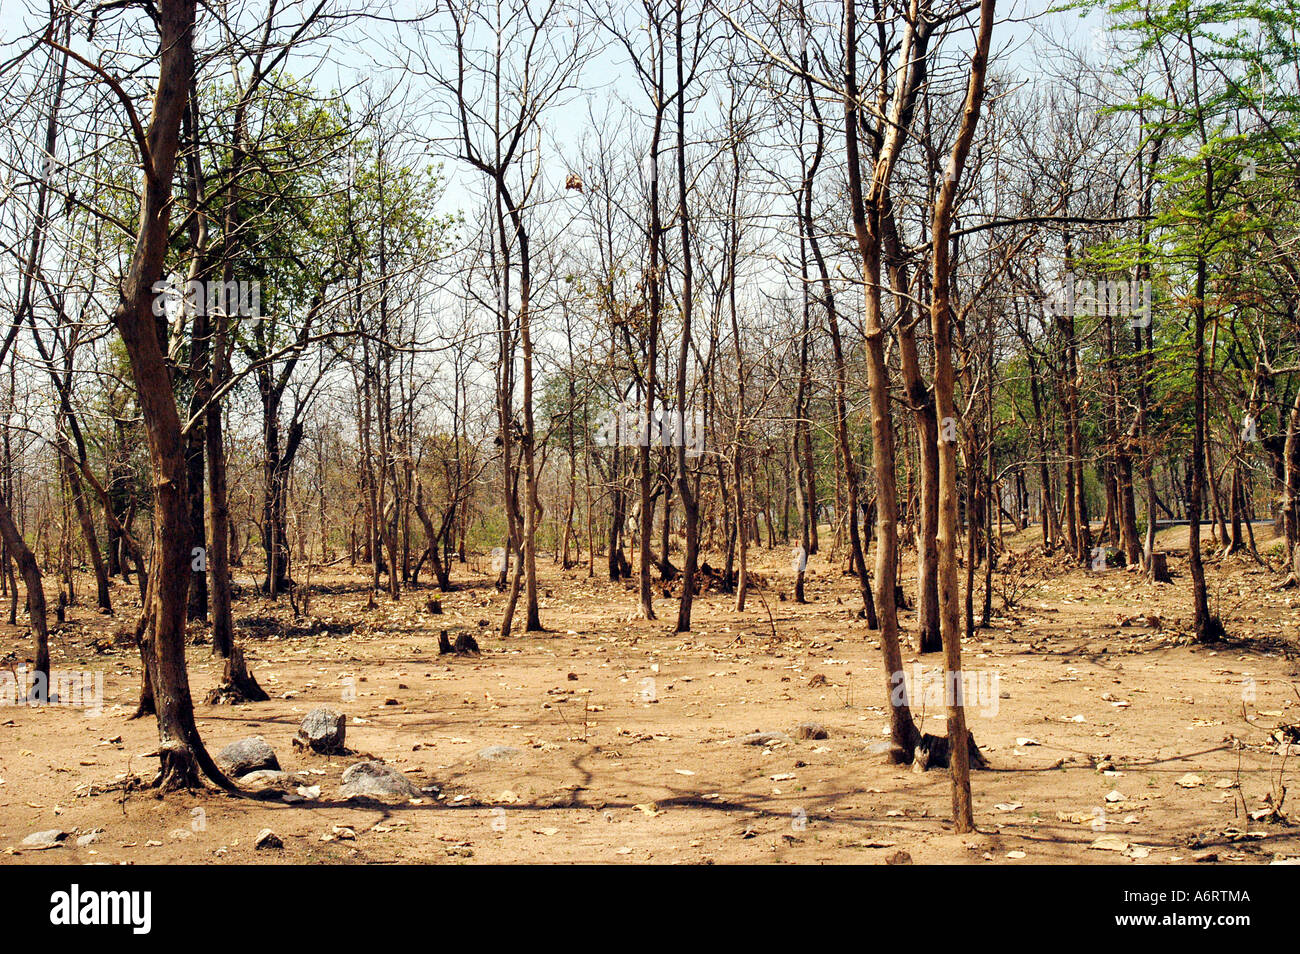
{"points": [[1098, 727]]}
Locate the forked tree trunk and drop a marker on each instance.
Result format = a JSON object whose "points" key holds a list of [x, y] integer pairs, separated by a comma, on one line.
{"points": [[181, 752], [867, 210], [436, 536], [941, 328]]}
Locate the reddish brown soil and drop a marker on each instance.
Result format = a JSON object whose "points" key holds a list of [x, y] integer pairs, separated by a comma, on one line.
{"points": [[629, 735]]}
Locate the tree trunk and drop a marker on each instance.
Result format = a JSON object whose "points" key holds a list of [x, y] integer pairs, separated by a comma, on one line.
{"points": [[36, 611], [687, 493], [181, 751], [868, 224], [927, 435], [941, 327], [1207, 627], [87, 521]]}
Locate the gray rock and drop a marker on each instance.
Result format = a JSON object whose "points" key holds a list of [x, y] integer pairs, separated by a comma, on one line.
{"points": [[323, 730], [271, 781], [500, 753], [766, 737], [811, 730], [248, 755], [41, 840], [267, 839], [88, 839], [376, 780]]}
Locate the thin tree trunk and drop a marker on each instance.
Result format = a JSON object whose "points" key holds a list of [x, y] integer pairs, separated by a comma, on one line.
{"points": [[941, 327], [36, 611], [181, 751]]}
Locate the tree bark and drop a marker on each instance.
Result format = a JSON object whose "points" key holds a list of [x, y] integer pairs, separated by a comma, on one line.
{"points": [[36, 611], [687, 493], [941, 327], [181, 752]]}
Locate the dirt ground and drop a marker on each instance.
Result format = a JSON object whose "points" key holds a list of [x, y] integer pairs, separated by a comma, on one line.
{"points": [[1110, 738]]}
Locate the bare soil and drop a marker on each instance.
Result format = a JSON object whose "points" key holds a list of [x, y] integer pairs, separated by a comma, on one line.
{"points": [[1111, 738]]}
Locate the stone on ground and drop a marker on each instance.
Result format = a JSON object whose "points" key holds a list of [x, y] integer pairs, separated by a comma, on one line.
{"points": [[323, 730], [41, 840], [764, 737], [811, 730], [253, 754], [376, 780], [499, 753], [270, 778]]}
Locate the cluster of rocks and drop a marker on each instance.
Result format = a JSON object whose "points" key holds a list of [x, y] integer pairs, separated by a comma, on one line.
{"points": [[253, 762], [324, 730], [57, 838]]}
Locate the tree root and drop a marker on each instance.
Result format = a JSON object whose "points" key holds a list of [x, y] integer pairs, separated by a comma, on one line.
{"points": [[144, 708], [185, 766], [1214, 631], [178, 768]]}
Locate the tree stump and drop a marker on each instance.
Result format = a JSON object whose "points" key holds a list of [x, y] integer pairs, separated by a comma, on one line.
{"points": [[932, 751], [465, 645], [1160, 568]]}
